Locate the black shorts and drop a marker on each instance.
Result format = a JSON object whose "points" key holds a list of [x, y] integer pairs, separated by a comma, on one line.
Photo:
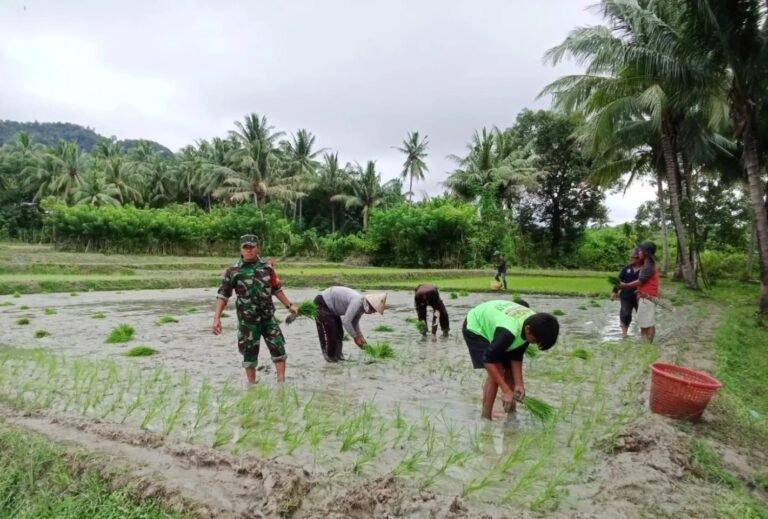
{"points": [[477, 346]]}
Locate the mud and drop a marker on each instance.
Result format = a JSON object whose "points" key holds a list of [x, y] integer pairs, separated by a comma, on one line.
{"points": [[635, 470]]}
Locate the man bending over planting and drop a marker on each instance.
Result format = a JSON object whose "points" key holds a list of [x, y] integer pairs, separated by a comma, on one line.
{"points": [[254, 281], [497, 334], [339, 309], [428, 295]]}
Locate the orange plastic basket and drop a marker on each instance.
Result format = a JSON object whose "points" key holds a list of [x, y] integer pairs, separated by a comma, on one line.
{"points": [[680, 392]]}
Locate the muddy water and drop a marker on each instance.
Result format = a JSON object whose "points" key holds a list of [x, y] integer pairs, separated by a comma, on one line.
{"points": [[426, 378]]}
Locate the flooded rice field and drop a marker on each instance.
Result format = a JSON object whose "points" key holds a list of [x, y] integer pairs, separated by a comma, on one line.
{"points": [[414, 417]]}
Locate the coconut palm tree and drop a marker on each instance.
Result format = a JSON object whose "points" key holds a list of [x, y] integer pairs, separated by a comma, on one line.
{"points": [[95, 190], [415, 151], [731, 37], [638, 73], [367, 192], [332, 182], [300, 159], [255, 129]]}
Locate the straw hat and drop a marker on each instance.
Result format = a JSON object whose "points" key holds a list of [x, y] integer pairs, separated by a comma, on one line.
{"points": [[377, 301]]}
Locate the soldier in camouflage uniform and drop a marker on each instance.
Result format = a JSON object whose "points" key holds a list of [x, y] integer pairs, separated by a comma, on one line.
{"points": [[254, 281]]}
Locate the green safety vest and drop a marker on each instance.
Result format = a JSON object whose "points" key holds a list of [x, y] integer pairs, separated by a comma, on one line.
{"points": [[486, 317]]}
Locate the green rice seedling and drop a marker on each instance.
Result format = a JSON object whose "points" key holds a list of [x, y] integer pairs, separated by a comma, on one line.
{"points": [[16, 295], [6, 303], [224, 315], [409, 464], [191, 310], [173, 418], [421, 326], [166, 319], [581, 353], [381, 350], [116, 402], [203, 404], [557, 312], [121, 333], [539, 409], [454, 295], [39, 334], [463, 293], [23, 307], [346, 338], [73, 294], [531, 352], [525, 480], [582, 307], [222, 436], [140, 351], [595, 304], [308, 309], [457, 458], [135, 404], [155, 407], [411, 320], [399, 421], [383, 328], [23, 321], [99, 315], [49, 311]]}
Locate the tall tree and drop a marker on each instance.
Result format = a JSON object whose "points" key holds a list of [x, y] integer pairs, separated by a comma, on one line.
{"points": [[414, 167], [332, 181], [367, 192]]}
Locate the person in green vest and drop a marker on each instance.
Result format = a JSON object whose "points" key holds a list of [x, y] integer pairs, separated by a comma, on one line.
{"points": [[497, 334]]}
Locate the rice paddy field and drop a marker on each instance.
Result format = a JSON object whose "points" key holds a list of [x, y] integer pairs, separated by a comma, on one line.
{"points": [[394, 431]]}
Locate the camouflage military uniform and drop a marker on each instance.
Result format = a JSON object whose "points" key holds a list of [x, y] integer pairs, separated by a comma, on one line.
{"points": [[253, 284]]}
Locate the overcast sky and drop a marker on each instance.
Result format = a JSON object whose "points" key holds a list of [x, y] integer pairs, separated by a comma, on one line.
{"points": [[359, 74]]}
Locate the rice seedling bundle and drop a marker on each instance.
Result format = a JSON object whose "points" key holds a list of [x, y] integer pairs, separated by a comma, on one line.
{"points": [[140, 351], [558, 312], [581, 353], [539, 409], [381, 350], [121, 333], [166, 319], [383, 328], [422, 327], [308, 309]]}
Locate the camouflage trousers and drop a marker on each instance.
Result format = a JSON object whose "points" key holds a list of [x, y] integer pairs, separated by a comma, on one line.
{"points": [[248, 335]]}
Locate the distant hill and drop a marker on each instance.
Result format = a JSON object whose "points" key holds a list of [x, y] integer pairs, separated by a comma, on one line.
{"points": [[51, 133]]}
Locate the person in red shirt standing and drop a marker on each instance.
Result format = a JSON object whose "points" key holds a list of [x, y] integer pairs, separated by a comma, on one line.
{"points": [[647, 290]]}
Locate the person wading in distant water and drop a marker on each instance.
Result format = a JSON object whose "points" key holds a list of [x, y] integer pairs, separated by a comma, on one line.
{"points": [[428, 295], [254, 281], [339, 309], [501, 269], [628, 296], [648, 284]]}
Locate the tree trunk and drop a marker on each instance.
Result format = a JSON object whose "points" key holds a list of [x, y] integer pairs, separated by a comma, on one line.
{"points": [[664, 228], [333, 217], [410, 192], [670, 163], [756, 192], [751, 253], [555, 244], [365, 218]]}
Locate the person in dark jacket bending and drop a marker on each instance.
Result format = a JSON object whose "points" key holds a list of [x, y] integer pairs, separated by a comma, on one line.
{"points": [[428, 295]]}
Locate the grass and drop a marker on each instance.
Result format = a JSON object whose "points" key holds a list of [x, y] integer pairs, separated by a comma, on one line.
{"points": [[708, 465], [140, 351], [40, 479], [50, 311], [121, 333], [381, 350], [383, 328], [99, 315], [166, 319], [39, 334], [23, 321]]}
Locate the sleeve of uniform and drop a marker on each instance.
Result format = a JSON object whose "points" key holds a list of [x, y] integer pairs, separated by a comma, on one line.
{"points": [[351, 318], [276, 285], [518, 353], [226, 287], [502, 339]]}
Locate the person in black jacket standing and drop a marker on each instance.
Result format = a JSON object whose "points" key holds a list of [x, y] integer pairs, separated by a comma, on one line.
{"points": [[628, 296]]}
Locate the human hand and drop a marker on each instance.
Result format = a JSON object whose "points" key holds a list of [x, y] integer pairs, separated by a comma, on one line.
{"points": [[519, 393], [508, 399], [613, 296], [360, 341], [434, 337], [216, 326], [293, 309]]}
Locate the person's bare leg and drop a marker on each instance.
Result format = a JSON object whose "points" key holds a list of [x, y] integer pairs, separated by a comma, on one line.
{"points": [[510, 380], [250, 374], [624, 331], [490, 388], [280, 368], [651, 333]]}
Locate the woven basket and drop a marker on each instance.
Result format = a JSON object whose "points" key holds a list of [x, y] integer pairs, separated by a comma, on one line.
{"points": [[680, 392]]}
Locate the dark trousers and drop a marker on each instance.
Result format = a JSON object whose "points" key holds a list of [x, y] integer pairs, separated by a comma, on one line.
{"points": [[329, 331], [502, 277]]}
